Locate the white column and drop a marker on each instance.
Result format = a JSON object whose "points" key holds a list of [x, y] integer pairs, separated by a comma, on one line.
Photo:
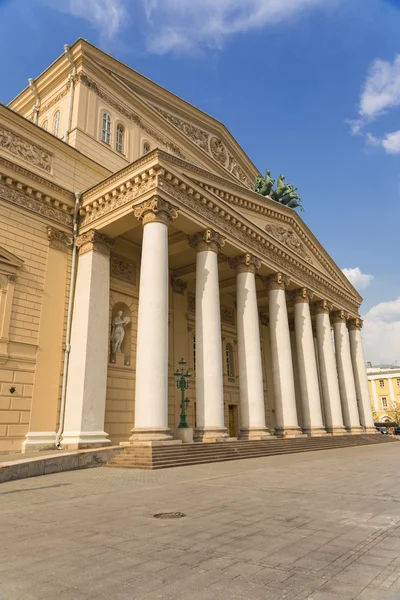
{"points": [[345, 373], [209, 375], [328, 370], [308, 375], [375, 394], [282, 368], [296, 378], [360, 375], [87, 370], [252, 409], [151, 393]]}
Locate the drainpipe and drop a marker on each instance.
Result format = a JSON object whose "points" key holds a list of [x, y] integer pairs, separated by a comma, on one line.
{"points": [[78, 196], [37, 103], [71, 92]]}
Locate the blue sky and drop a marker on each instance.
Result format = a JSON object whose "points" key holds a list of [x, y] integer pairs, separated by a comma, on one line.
{"points": [[310, 88]]}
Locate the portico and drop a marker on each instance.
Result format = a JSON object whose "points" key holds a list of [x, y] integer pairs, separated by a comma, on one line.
{"points": [[208, 274]]}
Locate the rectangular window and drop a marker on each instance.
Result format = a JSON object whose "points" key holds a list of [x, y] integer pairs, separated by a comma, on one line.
{"points": [[384, 402], [381, 383]]}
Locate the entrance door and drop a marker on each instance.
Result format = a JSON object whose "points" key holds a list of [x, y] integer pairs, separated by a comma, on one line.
{"points": [[232, 420]]}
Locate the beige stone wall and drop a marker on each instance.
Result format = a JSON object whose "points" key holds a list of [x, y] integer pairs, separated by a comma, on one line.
{"points": [[25, 236]]}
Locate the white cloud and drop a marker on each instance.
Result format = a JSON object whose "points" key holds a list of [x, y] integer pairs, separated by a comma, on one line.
{"points": [[391, 142], [107, 16], [372, 140], [357, 278], [381, 332], [184, 25], [381, 89]]}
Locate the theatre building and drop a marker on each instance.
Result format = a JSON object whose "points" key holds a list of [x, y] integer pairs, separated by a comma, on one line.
{"points": [[131, 237]]}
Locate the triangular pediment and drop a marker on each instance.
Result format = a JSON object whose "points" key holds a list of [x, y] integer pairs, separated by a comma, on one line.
{"points": [[283, 226], [7, 259]]}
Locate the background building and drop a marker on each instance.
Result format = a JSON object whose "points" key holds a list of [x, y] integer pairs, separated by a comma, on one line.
{"points": [[384, 386]]}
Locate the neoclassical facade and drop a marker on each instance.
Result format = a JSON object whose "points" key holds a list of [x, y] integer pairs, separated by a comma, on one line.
{"points": [[132, 237]]}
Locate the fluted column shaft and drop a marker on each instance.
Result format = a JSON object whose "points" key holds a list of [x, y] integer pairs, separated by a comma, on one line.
{"points": [[151, 394], [209, 374], [282, 368], [360, 375], [328, 370], [347, 386], [308, 375], [252, 409]]}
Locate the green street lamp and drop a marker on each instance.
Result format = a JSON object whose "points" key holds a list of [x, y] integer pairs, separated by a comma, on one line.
{"points": [[182, 383]]}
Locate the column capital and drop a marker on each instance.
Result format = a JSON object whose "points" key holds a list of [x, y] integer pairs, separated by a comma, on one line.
{"points": [[94, 241], [246, 263], [277, 281], [207, 240], [323, 306], [155, 210], [303, 295], [340, 316], [355, 323], [59, 240]]}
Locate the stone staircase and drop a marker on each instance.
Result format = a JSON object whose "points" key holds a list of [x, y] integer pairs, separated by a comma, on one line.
{"points": [[179, 455]]}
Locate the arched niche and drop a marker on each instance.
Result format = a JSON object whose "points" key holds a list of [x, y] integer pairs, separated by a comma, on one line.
{"points": [[120, 334]]}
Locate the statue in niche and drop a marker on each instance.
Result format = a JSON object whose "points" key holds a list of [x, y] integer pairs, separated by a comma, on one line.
{"points": [[118, 331]]}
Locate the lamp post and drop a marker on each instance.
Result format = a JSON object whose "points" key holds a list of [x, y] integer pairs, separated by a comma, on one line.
{"points": [[182, 383]]}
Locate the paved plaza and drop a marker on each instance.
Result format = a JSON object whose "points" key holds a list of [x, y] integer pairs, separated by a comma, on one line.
{"points": [[318, 526]]}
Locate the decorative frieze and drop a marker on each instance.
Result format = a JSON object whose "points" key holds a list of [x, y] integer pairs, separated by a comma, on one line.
{"points": [[155, 210], [94, 241], [286, 236], [245, 263], [227, 315], [36, 205], [178, 286], [195, 134], [218, 150], [59, 240], [25, 150], [207, 240], [122, 268]]}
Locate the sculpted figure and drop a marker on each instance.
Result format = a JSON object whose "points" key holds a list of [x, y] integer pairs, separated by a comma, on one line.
{"points": [[285, 193], [264, 185], [118, 331]]}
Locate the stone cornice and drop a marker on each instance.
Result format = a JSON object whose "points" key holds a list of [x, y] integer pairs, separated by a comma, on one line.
{"points": [[7, 164], [35, 201]]}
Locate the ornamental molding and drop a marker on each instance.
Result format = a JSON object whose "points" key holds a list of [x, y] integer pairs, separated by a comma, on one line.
{"points": [[155, 210], [246, 263], [287, 236], [340, 316], [178, 286], [207, 240], [94, 241], [59, 240], [227, 315], [56, 98], [250, 237], [109, 202], [134, 117], [303, 295], [209, 143], [122, 268], [322, 306], [277, 281], [40, 204], [34, 177], [25, 150]]}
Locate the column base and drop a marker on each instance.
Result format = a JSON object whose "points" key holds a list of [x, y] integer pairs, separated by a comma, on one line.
{"points": [[148, 434], [315, 431], [337, 430], [288, 432], [354, 430], [210, 434], [75, 440], [370, 430], [255, 433], [39, 440]]}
